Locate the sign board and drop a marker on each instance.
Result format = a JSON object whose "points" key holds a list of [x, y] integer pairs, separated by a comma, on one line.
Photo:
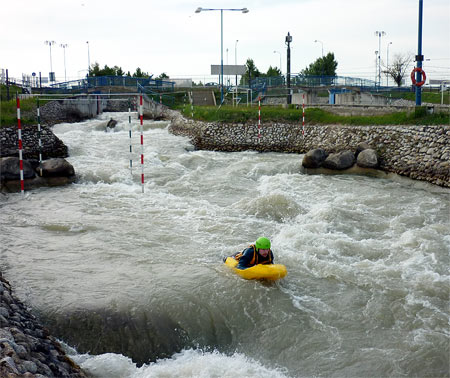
{"points": [[228, 69], [51, 76]]}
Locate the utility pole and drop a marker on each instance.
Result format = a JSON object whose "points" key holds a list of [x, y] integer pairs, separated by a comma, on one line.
{"points": [[288, 72], [419, 57]]}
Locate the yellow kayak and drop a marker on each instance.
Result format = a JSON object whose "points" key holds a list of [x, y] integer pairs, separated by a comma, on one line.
{"points": [[257, 272]]}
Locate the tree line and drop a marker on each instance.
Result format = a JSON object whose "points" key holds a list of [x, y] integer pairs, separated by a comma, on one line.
{"points": [[323, 66], [96, 70]]}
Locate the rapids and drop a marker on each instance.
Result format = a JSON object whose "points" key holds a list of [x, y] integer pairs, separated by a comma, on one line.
{"points": [[134, 282]]}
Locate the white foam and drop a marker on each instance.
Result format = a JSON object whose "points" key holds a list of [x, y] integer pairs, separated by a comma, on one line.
{"points": [[188, 363]]}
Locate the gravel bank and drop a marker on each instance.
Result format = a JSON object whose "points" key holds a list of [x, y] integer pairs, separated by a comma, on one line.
{"points": [[26, 347]]}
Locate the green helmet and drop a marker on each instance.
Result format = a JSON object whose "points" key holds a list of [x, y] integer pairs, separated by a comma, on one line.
{"points": [[262, 243]]}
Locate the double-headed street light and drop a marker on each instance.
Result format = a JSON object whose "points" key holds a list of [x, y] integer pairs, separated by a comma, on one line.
{"points": [[52, 75], [379, 34], [64, 45], [243, 10]]}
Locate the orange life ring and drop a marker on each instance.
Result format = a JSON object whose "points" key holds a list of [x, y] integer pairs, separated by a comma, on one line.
{"points": [[413, 79]]}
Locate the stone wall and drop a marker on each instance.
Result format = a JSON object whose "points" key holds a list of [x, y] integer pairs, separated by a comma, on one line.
{"points": [[52, 146], [418, 152]]}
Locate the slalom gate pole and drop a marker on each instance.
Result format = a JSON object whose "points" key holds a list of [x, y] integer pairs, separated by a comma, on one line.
{"points": [[192, 107], [142, 142], [303, 121], [39, 135], [19, 131], [259, 119], [129, 133]]}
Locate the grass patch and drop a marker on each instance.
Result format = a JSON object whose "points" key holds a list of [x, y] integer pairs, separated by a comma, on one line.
{"points": [[8, 112], [229, 114], [430, 97]]}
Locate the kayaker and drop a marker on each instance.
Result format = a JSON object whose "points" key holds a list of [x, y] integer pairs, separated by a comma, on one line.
{"points": [[258, 253]]}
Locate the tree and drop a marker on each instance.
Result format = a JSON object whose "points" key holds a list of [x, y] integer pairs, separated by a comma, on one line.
{"points": [[397, 69], [95, 70], [251, 72], [140, 73], [162, 76], [119, 71], [325, 65], [273, 71]]}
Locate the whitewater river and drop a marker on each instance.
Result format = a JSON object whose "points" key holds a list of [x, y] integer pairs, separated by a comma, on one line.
{"points": [[134, 283]]}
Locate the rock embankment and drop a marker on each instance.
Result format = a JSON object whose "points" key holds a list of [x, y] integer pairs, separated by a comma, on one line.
{"points": [[418, 152], [26, 348]]}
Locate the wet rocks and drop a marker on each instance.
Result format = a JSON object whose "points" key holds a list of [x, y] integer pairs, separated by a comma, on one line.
{"points": [[340, 160], [319, 158], [26, 348], [367, 158], [53, 172], [111, 124], [314, 158]]}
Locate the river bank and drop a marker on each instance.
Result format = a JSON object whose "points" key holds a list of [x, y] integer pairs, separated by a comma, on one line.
{"points": [[418, 152], [26, 347]]}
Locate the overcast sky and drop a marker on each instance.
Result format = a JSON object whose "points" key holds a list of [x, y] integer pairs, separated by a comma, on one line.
{"points": [[167, 36]]}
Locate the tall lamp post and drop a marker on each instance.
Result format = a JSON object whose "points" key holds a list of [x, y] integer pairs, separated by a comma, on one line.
{"points": [[321, 44], [376, 64], [52, 75], [235, 56], [387, 64], [243, 10], [89, 60], [64, 45], [277, 52], [379, 34]]}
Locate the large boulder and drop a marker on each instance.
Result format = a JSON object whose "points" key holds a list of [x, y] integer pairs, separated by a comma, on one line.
{"points": [[361, 147], [367, 159], [314, 158], [111, 123], [10, 169], [58, 167], [340, 160]]}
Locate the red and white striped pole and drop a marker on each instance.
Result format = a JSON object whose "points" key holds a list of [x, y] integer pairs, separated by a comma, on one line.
{"points": [[19, 131], [303, 121], [259, 118], [142, 142], [129, 133]]}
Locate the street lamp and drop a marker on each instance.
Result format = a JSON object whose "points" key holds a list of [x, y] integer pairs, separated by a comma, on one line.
{"points": [[379, 34], [52, 75], [235, 56], [387, 64], [64, 45], [243, 10], [89, 59], [376, 63], [277, 52], [321, 44]]}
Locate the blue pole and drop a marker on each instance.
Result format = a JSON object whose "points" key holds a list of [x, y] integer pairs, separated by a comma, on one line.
{"points": [[221, 55], [419, 57]]}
